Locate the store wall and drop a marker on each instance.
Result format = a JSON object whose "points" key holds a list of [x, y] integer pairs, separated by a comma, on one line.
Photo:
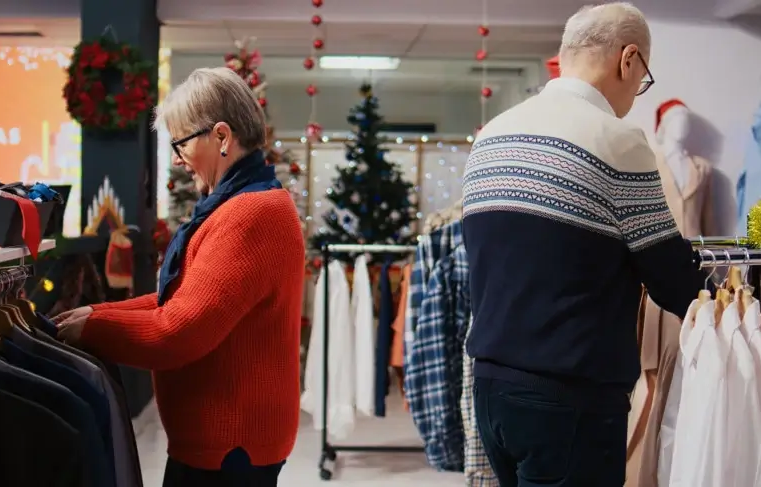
{"points": [[715, 72]]}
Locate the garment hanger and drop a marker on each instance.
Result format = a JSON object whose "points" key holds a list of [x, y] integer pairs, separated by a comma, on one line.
{"points": [[746, 291], [723, 296], [6, 322], [704, 295], [13, 311]]}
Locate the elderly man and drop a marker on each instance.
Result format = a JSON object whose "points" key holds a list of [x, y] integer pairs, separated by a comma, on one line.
{"points": [[564, 220]]}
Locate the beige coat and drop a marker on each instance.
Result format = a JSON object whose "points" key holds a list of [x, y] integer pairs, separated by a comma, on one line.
{"points": [[692, 208], [659, 330]]}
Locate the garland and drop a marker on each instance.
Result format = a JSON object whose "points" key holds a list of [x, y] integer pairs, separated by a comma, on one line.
{"points": [[86, 92]]}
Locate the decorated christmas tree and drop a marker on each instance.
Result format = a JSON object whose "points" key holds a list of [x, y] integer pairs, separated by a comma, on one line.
{"points": [[183, 195], [370, 196]]}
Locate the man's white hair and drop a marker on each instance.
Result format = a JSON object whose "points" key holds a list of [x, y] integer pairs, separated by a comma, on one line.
{"points": [[603, 30]]}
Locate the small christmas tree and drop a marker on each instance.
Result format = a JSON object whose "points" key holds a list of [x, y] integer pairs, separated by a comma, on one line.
{"points": [[370, 196]]}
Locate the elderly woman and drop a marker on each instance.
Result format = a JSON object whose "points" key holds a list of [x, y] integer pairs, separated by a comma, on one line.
{"points": [[222, 334]]}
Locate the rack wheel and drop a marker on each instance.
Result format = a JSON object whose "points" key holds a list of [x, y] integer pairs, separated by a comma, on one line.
{"points": [[330, 454], [325, 474]]}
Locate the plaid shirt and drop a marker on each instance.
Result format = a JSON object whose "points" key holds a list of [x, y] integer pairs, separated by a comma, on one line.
{"points": [[433, 373], [478, 472]]}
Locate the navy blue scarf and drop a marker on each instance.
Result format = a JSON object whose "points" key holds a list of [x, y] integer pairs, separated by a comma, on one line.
{"points": [[249, 174]]}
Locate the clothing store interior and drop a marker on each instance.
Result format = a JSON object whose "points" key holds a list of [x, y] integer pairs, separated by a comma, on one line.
{"points": [[367, 105]]}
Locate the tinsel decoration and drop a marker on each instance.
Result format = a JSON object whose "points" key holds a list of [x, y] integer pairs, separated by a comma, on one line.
{"points": [[314, 129], [754, 226]]}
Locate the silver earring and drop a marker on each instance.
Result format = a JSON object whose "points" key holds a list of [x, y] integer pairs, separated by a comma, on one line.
{"points": [[224, 153]]}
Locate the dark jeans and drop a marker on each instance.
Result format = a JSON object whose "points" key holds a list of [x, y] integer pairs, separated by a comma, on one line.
{"points": [[181, 475], [535, 439]]}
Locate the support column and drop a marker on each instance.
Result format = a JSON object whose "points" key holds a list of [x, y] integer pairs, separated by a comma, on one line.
{"points": [[119, 172]]}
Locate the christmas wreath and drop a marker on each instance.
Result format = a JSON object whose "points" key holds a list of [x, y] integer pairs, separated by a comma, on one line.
{"points": [[90, 94]]}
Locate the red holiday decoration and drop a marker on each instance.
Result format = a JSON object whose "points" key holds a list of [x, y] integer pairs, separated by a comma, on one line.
{"points": [[318, 43], [308, 63], [317, 3], [483, 31], [294, 169], [311, 90], [262, 102], [486, 92], [314, 131], [170, 185], [246, 65], [316, 20], [87, 98], [481, 55]]}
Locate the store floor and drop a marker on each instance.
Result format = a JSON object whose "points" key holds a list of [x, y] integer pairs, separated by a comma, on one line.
{"points": [[352, 469]]}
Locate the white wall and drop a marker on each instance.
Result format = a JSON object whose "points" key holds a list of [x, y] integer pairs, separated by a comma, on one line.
{"points": [[715, 71]]}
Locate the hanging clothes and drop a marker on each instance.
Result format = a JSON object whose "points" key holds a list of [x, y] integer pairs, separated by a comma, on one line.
{"points": [[383, 341], [397, 342], [478, 472], [433, 357], [364, 342], [340, 359]]}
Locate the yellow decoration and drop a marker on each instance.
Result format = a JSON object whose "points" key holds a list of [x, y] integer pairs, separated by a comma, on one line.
{"points": [[754, 225], [106, 207], [47, 285], [33, 306]]}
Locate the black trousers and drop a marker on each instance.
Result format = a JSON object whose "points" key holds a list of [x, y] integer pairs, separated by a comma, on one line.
{"points": [[534, 439], [181, 475]]}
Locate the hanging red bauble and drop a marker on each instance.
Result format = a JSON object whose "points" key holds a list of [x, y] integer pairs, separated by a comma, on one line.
{"points": [[318, 43], [486, 92], [263, 102], [316, 20], [317, 3], [481, 55], [483, 31], [170, 185], [308, 63], [311, 90], [294, 169], [314, 131]]}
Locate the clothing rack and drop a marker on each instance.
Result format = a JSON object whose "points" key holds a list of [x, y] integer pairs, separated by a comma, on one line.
{"points": [[329, 450]]}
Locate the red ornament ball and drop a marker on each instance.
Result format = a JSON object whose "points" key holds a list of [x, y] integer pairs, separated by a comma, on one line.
{"points": [[316, 20], [263, 102], [311, 90], [170, 185], [294, 169], [308, 63], [314, 131], [481, 55], [318, 43], [483, 31], [486, 92], [317, 3]]}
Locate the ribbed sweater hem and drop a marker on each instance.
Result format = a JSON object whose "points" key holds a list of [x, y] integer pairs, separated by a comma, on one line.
{"points": [[259, 455]]}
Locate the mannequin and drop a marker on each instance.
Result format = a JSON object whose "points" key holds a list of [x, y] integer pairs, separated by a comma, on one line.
{"points": [[686, 178]]}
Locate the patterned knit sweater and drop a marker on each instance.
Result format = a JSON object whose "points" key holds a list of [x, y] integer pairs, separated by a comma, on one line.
{"points": [[224, 348], [564, 219]]}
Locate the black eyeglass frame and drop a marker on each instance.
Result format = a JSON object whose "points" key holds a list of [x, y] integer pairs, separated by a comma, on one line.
{"points": [[648, 82], [177, 143]]}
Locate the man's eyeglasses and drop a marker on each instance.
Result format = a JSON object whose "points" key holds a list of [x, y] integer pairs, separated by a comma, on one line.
{"points": [[648, 81]]}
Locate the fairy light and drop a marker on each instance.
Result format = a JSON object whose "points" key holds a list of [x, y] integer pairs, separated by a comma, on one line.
{"points": [[314, 129], [481, 55]]}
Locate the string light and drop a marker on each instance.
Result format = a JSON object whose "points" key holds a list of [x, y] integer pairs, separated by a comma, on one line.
{"points": [[481, 55], [314, 129], [47, 285]]}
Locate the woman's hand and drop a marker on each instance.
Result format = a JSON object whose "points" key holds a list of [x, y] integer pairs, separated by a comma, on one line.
{"points": [[71, 323]]}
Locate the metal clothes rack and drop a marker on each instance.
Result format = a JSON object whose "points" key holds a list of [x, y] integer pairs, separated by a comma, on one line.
{"points": [[329, 450], [12, 278]]}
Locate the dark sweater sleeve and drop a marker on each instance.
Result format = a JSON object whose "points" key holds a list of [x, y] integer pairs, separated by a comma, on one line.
{"points": [[662, 259]]}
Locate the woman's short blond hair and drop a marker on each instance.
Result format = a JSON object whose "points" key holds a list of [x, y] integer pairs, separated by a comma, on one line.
{"points": [[209, 96]]}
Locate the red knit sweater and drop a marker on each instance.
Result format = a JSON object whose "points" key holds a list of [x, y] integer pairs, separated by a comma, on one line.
{"points": [[224, 347]]}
